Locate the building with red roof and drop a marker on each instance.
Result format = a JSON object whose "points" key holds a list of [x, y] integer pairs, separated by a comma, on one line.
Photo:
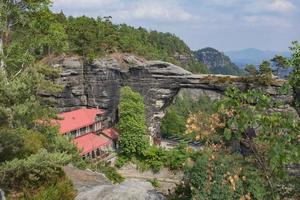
{"points": [[93, 145], [80, 121], [84, 125], [112, 134]]}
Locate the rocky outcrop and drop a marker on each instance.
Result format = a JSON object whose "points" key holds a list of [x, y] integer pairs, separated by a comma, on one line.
{"points": [[98, 85], [217, 62], [95, 186]]}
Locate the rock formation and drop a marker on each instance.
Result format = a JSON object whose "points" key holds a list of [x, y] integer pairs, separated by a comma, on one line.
{"points": [[217, 62], [95, 186], [98, 84]]}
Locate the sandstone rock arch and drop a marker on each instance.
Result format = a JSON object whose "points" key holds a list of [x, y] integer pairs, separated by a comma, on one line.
{"points": [[98, 84]]}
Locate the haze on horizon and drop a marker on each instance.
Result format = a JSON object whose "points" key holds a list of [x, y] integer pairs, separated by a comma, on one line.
{"points": [[222, 24]]}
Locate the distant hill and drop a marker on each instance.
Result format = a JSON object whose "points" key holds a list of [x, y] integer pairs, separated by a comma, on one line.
{"points": [[252, 56], [217, 62]]}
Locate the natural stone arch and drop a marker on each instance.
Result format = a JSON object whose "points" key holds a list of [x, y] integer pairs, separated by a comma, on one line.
{"points": [[98, 85]]}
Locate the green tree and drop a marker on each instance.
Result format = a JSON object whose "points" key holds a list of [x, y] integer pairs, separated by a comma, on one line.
{"points": [[265, 73], [132, 124], [294, 78], [279, 62], [83, 36], [173, 124], [251, 70], [268, 138]]}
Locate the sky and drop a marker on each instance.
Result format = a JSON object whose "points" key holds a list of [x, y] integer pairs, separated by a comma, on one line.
{"points": [[223, 24]]}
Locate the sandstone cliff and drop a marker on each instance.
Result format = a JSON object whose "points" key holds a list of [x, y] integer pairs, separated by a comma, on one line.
{"points": [[97, 84]]}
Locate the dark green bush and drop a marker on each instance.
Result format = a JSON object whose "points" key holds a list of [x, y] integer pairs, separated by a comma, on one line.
{"points": [[33, 172], [61, 190], [121, 161]]}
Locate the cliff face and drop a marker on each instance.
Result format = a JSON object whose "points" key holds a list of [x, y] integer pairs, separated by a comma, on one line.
{"points": [[98, 85], [217, 62]]}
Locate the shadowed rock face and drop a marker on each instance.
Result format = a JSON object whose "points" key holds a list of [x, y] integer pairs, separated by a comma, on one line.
{"points": [[98, 85]]}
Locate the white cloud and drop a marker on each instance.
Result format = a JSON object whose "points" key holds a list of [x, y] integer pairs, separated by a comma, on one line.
{"points": [[156, 10], [167, 10], [223, 2], [257, 6], [283, 6], [266, 21], [269, 6], [83, 2]]}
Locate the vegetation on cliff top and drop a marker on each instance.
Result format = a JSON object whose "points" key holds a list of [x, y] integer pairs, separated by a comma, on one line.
{"points": [[217, 62]]}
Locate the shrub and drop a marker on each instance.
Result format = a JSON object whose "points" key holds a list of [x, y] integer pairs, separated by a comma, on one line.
{"points": [[36, 170], [121, 161], [176, 157], [62, 190], [109, 171], [154, 158], [154, 182]]}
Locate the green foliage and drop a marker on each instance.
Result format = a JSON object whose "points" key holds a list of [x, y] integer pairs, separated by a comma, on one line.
{"points": [[220, 176], [62, 189], [174, 122], [93, 37], [109, 171], [285, 89], [177, 157], [36, 170], [276, 132], [251, 70], [279, 62], [31, 153], [153, 158], [82, 35], [154, 182], [212, 56], [121, 161], [265, 73], [294, 78], [132, 123]]}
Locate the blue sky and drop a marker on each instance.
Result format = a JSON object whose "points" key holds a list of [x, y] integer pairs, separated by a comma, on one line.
{"points": [[222, 24]]}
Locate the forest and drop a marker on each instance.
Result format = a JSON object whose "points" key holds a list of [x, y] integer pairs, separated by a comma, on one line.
{"points": [[250, 147]]}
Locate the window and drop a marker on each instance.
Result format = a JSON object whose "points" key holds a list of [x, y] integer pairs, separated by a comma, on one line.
{"points": [[73, 134], [83, 130], [98, 152], [98, 117], [97, 126], [77, 133]]}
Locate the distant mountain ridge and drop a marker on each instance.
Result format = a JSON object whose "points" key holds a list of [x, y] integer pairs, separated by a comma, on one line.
{"points": [[253, 56], [217, 62]]}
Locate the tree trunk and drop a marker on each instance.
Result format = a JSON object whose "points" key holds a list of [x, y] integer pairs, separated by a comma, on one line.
{"points": [[2, 63]]}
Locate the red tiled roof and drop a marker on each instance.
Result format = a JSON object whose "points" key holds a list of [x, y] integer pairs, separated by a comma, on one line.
{"points": [[77, 119], [111, 133], [89, 142]]}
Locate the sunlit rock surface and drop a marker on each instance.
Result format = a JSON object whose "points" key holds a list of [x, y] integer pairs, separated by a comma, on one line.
{"points": [[94, 186]]}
